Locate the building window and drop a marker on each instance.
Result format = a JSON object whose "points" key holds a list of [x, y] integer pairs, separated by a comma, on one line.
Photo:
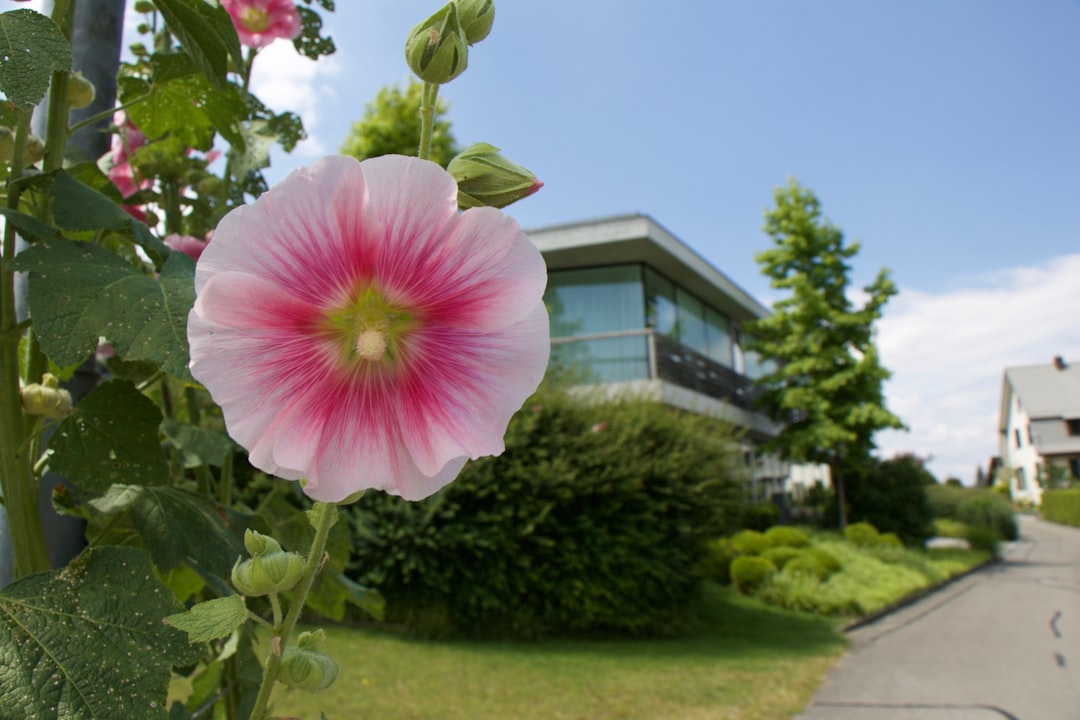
{"points": [[1019, 441], [1021, 480], [660, 311], [691, 323], [1031, 437], [718, 337], [1073, 426]]}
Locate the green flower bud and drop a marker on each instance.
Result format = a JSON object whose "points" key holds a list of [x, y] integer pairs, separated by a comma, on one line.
{"points": [[436, 49], [80, 91], [305, 667], [270, 569], [144, 6], [46, 399], [35, 149], [7, 144], [485, 177], [477, 17]]}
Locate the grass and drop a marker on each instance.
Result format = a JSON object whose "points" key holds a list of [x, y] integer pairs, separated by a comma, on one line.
{"points": [[745, 661]]}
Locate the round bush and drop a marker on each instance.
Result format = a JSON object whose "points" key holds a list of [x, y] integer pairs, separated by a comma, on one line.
{"points": [[807, 564], [779, 556], [826, 558], [784, 536], [750, 542], [750, 572], [890, 540], [596, 517], [862, 534]]}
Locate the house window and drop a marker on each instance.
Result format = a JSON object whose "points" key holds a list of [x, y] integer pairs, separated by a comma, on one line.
{"points": [[1073, 426], [592, 301], [1031, 437], [1019, 442], [660, 310], [1021, 480]]}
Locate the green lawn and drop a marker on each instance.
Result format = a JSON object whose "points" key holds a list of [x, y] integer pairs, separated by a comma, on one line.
{"points": [[746, 661]]}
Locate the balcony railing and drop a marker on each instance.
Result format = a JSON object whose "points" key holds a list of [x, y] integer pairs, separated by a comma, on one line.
{"points": [[648, 355]]}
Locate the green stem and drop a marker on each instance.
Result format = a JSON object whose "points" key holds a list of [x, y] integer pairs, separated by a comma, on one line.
{"points": [[325, 514], [17, 482], [106, 114], [249, 62], [427, 118]]}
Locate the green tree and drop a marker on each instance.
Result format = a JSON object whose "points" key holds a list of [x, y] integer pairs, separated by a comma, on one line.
{"points": [[825, 386], [391, 125]]}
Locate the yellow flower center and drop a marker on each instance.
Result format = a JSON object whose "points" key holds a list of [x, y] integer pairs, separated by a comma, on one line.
{"points": [[368, 329], [255, 19]]}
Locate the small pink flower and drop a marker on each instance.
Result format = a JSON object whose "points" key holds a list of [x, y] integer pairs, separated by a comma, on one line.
{"points": [[187, 244], [260, 22], [360, 332], [125, 143]]}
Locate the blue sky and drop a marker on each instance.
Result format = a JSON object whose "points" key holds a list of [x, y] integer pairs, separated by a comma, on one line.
{"points": [[944, 136]]}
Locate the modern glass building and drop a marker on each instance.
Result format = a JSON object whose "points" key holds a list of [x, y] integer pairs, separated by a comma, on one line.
{"points": [[635, 309]]}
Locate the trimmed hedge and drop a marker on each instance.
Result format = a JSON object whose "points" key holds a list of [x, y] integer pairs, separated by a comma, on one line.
{"points": [[785, 536], [596, 517], [750, 572], [1061, 506]]}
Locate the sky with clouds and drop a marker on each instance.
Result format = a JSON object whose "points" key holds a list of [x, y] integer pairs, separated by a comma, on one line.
{"points": [[943, 136]]}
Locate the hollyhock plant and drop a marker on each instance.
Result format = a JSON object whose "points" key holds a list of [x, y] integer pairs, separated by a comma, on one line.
{"points": [[187, 244], [260, 22], [358, 331]]}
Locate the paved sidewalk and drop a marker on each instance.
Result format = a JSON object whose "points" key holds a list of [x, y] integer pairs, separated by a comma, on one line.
{"points": [[1000, 644]]}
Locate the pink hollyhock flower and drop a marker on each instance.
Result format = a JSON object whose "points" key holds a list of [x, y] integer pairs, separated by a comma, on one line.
{"points": [[360, 332], [125, 143], [187, 244], [260, 22]]}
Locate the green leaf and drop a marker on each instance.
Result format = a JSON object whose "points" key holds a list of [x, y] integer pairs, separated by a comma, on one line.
{"points": [[78, 207], [87, 642], [28, 226], [311, 43], [207, 34], [79, 292], [110, 438], [181, 103], [333, 589], [198, 446], [176, 524], [31, 48], [212, 619]]}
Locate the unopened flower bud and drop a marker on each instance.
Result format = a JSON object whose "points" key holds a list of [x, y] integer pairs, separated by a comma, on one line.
{"points": [[46, 398], [476, 17], [305, 667], [436, 49], [485, 177], [35, 149], [80, 91], [7, 144], [270, 569]]}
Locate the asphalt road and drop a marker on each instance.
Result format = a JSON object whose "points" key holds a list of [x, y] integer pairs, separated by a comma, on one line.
{"points": [[1000, 644]]}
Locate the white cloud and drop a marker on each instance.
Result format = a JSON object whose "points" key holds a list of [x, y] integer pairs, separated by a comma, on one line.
{"points": [[948, 350], [285, 80]]}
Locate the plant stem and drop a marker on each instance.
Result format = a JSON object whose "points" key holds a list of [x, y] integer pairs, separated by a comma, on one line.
{"points": [[427, 118], [17, 482], [325, 514]]}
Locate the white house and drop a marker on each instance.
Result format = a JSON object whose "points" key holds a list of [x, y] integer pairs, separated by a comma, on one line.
{"points": [[635, 309], [1039, 426]]}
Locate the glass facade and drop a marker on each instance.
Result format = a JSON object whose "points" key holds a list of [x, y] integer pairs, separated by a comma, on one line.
{"points": [[618, 300]]}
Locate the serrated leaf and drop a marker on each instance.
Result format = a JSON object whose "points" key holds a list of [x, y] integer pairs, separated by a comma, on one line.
{"points": [[110, 438], [28, 226], [212, 619], [79, 292], [31, 48], [176, 524], [206, 32], [87, 642], [198, 446]]}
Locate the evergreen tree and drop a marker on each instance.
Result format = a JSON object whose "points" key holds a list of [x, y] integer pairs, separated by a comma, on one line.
{"points": [[825, 389], [391, 125]]}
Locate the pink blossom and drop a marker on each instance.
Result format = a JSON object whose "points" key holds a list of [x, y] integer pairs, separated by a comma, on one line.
{"points": [[125, 143], [187, 244], [359, 332], [259, 22]]}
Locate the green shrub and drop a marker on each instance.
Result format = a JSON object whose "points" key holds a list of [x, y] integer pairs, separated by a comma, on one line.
{"points": [[750, 572], [716, 565], [780, 556], [596, 517], [984, 539], [1061, 506], [760, 516], [989, 511], [862, 534], [890, 540], [826, 558], [784, 536], [807, 563], [891, 495], [945, 499], [946, 527], [750, 542]]}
